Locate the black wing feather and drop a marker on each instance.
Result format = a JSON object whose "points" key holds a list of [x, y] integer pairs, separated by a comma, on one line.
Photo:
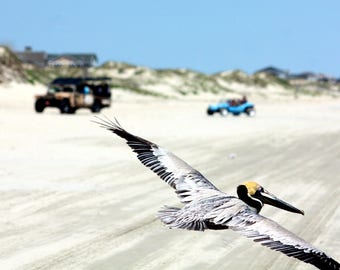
{"points": [[270, 234], [174, 171]]}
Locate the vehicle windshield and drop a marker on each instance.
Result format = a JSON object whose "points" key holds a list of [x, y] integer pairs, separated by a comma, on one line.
{"points": [[53, 89]]}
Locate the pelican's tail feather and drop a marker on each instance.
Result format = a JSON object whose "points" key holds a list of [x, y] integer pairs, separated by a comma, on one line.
{"points": [[173, 217], [168, 215]]}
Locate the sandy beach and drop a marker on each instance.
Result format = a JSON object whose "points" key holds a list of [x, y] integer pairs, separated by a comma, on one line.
{"points": [[74, 196]]}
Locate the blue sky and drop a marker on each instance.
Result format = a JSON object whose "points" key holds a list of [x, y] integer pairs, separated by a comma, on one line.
{"points": [[207, 36]]}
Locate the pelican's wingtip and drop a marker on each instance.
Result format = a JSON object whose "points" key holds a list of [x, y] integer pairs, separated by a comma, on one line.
{"points": [[105, 122]]}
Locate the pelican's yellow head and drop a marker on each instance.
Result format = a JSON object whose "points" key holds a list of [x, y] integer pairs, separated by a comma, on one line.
{"points": [[252, 187]]}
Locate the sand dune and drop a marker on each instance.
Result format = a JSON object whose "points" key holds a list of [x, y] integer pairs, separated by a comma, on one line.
{"points": [[73, 196]]}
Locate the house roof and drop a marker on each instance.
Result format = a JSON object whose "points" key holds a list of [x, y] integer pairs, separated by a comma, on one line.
{"points": [[271, 70], [303, 75]]}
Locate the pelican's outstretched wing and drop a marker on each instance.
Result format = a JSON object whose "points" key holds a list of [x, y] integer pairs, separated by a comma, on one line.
{"points": [[270, 234], [187, 182]]}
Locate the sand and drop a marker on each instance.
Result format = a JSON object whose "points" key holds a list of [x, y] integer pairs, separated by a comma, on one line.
{"points": [[74, 196]]}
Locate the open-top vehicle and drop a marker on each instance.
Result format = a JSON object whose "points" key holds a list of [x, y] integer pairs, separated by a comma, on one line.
{"points": [[234, 106], [70, 94]]}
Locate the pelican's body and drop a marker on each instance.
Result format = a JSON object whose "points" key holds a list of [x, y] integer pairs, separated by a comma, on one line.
{"points": [[206, 207]]}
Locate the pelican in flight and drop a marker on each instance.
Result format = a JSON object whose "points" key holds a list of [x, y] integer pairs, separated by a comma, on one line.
{"points": [[208, 208]]}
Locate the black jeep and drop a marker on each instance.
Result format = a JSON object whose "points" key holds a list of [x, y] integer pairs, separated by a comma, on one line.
{"points": [[70, 94]]}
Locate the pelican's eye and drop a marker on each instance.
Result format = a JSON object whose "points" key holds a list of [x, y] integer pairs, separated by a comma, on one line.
{"points": [[260, 189]]}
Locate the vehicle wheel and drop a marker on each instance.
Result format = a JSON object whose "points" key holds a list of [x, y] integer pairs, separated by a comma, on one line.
{"points": [[65, 107], [210, 112], [39, 105], [72, 110], [224, 112], [250, 112], [96, 107]]}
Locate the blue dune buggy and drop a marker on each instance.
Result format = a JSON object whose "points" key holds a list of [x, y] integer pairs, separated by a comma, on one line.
{"points": [[233, 106]]}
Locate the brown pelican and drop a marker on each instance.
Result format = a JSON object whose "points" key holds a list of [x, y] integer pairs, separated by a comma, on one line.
{"points": [[206, 207]]}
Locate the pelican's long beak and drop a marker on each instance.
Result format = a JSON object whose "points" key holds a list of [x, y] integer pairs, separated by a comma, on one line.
{"points": [[269, 198]]}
